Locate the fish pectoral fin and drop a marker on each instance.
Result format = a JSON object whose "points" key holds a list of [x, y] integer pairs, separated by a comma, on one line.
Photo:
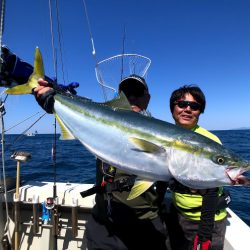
{"points": [[65, 133], [38, 72], [120, 102], [139, 187], [146, 146]]}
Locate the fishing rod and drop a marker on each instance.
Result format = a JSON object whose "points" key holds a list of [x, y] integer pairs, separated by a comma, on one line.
{"points": [[54, 206]]}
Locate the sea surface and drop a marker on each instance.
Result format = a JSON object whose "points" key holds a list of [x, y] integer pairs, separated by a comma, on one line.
{"points": [[75, 164]]}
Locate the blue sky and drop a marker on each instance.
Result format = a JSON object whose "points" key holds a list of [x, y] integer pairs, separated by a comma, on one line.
{"points": [[203, 42]]}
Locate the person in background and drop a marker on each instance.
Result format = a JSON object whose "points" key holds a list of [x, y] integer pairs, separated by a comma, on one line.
{"points": [[197, 217], [117, 223]]}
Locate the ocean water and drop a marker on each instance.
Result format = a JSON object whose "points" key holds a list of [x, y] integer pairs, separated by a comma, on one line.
{"points": [[75, 164]]}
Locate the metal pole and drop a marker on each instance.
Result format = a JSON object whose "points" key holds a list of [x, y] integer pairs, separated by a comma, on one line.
{"points": [[18, 157], [17, 206]]}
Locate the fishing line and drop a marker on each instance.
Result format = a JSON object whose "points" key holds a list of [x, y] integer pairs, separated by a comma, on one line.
{"points": [[94, 51]]}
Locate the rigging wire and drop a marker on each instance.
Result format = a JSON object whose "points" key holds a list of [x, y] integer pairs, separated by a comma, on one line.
{"points": [[21, 122], [2, 111], [27, 129], [93, 50]]}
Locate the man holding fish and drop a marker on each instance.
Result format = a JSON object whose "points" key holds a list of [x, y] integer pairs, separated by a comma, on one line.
{"points": [[118, 223], [198, 217]]}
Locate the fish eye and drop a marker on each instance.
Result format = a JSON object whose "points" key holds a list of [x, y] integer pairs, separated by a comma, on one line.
{"points": [[220, 160]]}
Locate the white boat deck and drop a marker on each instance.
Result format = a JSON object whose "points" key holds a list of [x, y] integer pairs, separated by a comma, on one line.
{"points": [[68, 193], [237, 232]]}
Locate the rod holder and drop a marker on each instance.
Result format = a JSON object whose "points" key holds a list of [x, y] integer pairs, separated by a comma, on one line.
{"points": [[74, 217], [35, 201]]}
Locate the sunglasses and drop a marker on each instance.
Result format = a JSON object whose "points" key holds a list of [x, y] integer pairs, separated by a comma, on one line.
{"points": [[184, 104]]}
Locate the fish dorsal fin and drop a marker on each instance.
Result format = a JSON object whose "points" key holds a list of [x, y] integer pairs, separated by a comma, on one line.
{"points": [[139, 187], [146, 146], [120, 102], [65, 133], [38, 72]]}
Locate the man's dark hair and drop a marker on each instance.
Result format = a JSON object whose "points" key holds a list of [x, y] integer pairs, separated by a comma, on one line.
{"points": [[194, 90]]}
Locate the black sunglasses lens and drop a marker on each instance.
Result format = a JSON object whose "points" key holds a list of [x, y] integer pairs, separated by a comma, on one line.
{"points": [[194, 106], [184, 104]]}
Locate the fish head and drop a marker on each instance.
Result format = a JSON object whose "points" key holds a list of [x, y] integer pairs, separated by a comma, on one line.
{"points": [[206, 167]]}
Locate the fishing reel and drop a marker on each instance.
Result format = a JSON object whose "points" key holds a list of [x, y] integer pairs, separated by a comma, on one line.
{"points": [[47, 209], [50, 203]]}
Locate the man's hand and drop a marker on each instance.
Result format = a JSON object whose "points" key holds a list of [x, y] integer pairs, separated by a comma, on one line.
{"points": [[45, 96], [42, 88]]}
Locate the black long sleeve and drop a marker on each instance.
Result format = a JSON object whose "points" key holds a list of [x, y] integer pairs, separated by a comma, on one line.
{"points": [[208, 210]]}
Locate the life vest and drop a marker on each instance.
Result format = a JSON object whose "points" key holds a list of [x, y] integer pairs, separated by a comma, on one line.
{"points": [[189, 204], [112, 189]]}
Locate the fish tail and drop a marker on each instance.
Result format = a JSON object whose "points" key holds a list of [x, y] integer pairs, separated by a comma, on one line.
{"points": [[32, 83]]}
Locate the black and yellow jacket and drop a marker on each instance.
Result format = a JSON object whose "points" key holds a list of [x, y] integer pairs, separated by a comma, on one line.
{"points": [[186, 203]]}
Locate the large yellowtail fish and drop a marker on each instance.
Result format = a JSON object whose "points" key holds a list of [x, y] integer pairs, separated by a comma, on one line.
{"points": [[144, 146]]}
